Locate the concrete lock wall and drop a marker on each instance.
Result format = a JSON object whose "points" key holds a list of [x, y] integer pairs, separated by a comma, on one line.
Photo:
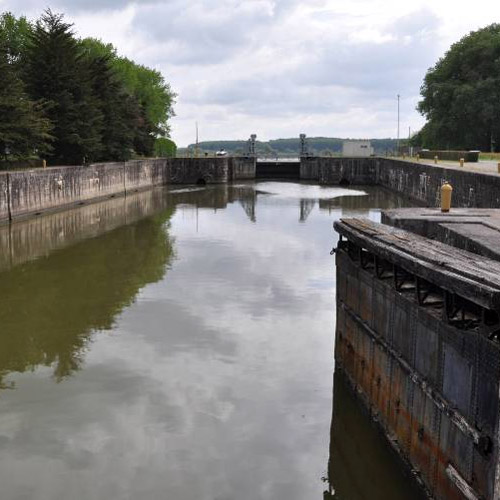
{"points": [[42, 189], [356, 171], [242, 168], [38, 190], [432, 387], [417, 181], [142, 174], [423, 183], [195, 170], [24, 193], [4, 197]]}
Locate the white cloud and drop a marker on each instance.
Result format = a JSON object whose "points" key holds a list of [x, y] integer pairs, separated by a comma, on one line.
{"points": [[281, 67]]}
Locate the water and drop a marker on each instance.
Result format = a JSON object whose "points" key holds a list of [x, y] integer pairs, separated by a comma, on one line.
{"points": [[179, 344]]}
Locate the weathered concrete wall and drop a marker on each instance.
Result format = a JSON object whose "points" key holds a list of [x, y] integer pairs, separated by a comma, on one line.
{"points": [[338, 170], [241, 168], [4, 197], [143, 174], [423, 183], [39, 190], [194, 170], [309, 168], [417, 181], [24, 193]]}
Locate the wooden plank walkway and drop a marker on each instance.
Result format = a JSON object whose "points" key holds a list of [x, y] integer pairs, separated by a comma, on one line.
{"points": [[469, 275]]}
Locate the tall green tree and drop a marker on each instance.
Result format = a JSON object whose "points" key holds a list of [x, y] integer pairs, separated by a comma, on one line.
{"points": [[154, 98], [151, 90], [15, 33], [120, 111], [24, 130], [461, 94], [165, 147], [58, 72]]}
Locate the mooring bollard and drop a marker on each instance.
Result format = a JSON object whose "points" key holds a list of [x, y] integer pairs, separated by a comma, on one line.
{"points": [[446, 191], [435, 160], [462, 162]]}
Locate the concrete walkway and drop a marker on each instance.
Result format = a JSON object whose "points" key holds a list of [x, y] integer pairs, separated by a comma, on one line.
{"points": [[473, 229], [483, 166]]}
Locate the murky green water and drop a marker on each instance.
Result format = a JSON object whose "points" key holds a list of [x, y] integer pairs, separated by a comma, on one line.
{"points": [[179, 345]]}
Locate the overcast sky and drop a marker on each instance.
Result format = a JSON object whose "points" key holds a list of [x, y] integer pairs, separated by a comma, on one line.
{"points": [[279, 68]]}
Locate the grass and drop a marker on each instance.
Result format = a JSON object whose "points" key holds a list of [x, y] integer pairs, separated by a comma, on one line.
{"points": [[490, 156]]}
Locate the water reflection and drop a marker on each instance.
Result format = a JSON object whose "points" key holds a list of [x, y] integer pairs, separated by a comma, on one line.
{"points": [[361, 465], [51, 305], [191, 335]]}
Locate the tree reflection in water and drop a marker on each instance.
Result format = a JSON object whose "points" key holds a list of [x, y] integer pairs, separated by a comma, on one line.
{"points": [[52, 305]]}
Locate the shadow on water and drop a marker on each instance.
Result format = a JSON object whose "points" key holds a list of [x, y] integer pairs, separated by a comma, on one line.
{"points": [[361, 465]]}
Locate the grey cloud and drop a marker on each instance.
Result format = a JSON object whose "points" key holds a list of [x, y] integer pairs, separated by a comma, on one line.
{"points": [[374, 67], [336, 74], [278, 96], [34, 8], [206, 32]]}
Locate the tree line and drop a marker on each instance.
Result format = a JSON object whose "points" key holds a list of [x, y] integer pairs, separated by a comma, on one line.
{"points": [[75, 101], [288, 147], [461, 95]]}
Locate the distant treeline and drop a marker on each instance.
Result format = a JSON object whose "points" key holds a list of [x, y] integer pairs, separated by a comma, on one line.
{"points": [[288, 147], [73, 100]]}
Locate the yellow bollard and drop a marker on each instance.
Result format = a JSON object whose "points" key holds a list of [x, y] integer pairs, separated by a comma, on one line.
{"points": [[462, 162], [446, 191], [418, 157], [435, 160]]}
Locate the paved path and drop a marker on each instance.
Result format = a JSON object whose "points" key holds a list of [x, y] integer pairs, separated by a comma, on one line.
{"points": [[483, 166]]}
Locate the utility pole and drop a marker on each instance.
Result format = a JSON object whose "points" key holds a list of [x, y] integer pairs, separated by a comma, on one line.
{"points": [[398, 128], [197, 149]]}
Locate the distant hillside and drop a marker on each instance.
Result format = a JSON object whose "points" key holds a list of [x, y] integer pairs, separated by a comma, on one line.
{"points": [[287, 147]]}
